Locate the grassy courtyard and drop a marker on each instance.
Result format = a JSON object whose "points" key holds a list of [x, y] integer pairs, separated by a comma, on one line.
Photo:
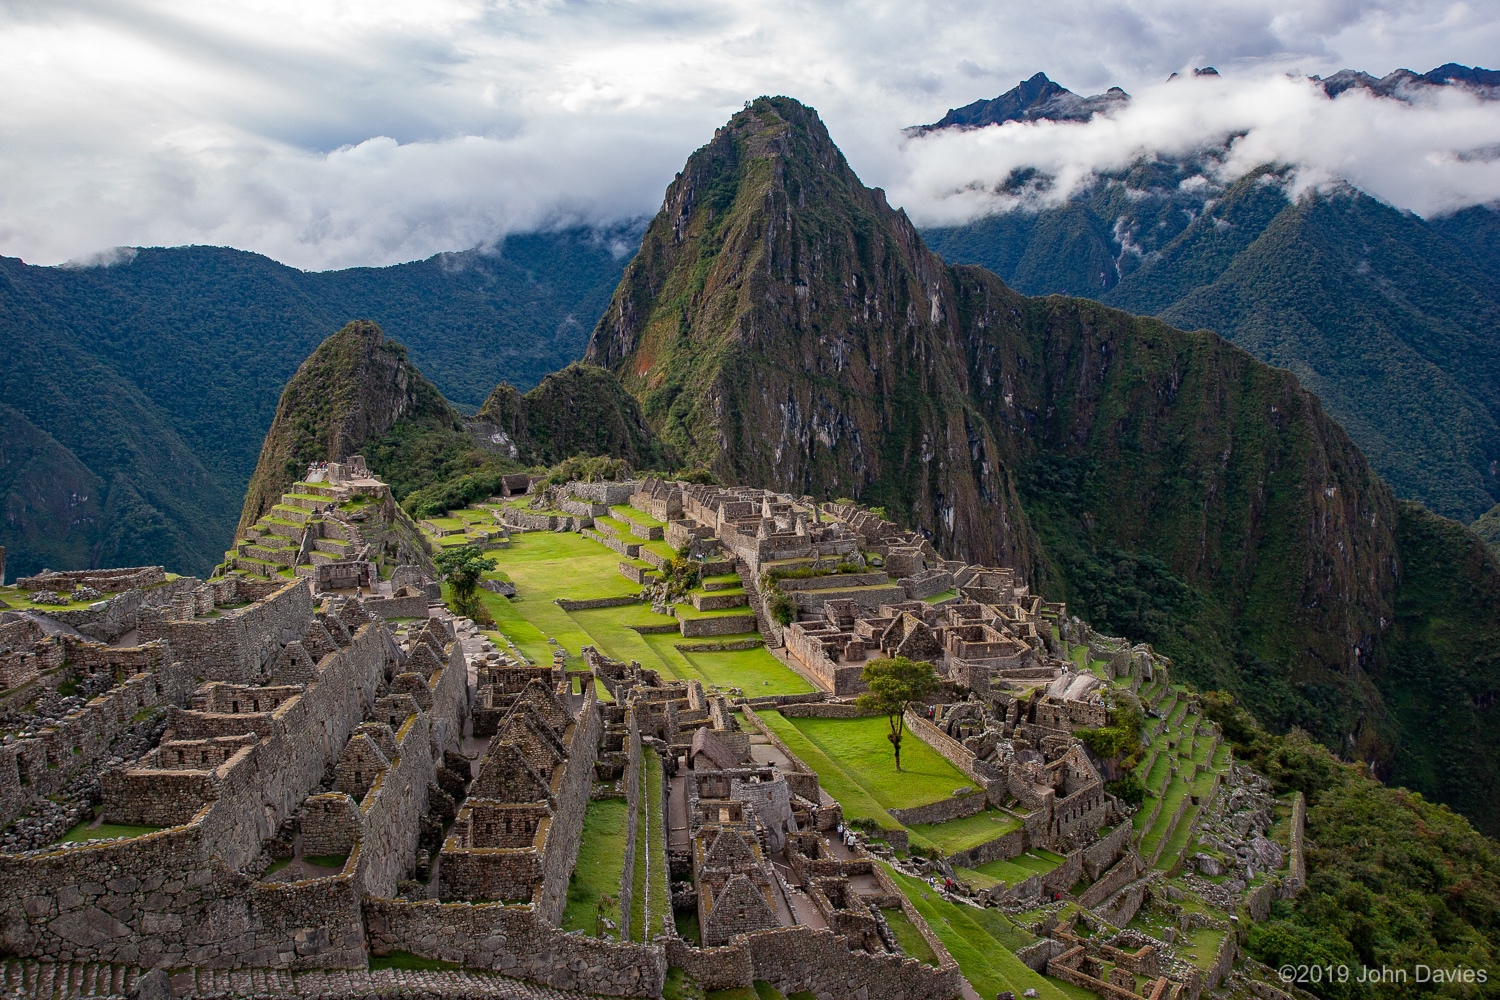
{"points": [[600, 866], [854, 764]]}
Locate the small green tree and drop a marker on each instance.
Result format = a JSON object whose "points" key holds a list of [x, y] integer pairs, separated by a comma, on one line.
{"points": [[464, 566], [895, 685]]}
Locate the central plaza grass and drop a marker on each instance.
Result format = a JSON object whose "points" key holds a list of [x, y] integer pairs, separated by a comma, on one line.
{"points": [[547, 565], [600, 865]]}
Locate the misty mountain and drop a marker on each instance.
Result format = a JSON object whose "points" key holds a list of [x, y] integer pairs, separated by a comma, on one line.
{"points": [[1388, 317], [137, 394]]}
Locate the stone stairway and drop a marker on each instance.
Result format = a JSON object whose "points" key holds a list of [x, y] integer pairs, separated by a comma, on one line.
{"points": [[59, 980], [66, 979]]}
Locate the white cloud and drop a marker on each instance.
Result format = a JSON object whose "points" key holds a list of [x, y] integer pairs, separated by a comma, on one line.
{"points": [[333, 133], [1429, 156]]}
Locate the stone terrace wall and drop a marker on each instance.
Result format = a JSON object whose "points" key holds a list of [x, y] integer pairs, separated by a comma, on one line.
{"points": [[511, 940], [572, 801], [941, 811], [794, 959], [234, 646], [392, 810]]}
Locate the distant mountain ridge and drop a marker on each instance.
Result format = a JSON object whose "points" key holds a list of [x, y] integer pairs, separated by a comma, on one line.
{"points": [[1039, 98], [137, 394]]}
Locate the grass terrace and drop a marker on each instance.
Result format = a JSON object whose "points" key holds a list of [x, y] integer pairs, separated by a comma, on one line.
{"points": [[1018, 869], [597, 873], [913, 944], [83, 832], [971, 831], [981, 941]]}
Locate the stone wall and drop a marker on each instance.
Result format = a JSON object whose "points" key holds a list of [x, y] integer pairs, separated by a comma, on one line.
{"points": [[331, 825], [1010, 845], [954, 807], [1100, 855], [719, 625], [391, 811], [633, 750], [1296, 864], [598, 602], [239, 643], [572, 801], [511, 940], [173, 897], [1117, 878], [797, 959], [824, 710]]}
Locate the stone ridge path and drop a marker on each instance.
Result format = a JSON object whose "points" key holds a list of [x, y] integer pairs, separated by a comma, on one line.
{"points": [[58, 980]]}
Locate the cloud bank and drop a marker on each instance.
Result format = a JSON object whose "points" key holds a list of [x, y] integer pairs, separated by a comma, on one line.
{"points": [[331, 134]]}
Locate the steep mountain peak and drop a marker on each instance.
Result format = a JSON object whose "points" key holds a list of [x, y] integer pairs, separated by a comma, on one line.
{"points": [[351, 390], [1035, 99]]}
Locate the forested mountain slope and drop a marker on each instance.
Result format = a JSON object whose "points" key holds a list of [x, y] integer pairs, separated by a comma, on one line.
{"points": [[1389, 318], [141, 390]]}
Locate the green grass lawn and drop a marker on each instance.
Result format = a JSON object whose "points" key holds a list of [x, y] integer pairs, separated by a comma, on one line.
{"points": [[755, 671], [627, 513], [940, 598], [81, 832], [981, 941], [860, 748], [971, 831], [649, 909], [913, 944], [406, 961], [858, 804], [600, 865]]}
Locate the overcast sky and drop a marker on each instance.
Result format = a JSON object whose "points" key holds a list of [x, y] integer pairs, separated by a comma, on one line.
{"points": [[330, 134]]}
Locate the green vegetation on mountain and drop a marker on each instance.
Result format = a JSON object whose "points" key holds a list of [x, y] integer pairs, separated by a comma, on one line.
{"points": [[148, 385], [1388, 318], [357, 394], [1393, 880], [783, 325]]}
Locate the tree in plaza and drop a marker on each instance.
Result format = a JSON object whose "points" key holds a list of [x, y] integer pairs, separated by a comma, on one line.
{"points": [[895, 685], [464, 566]]}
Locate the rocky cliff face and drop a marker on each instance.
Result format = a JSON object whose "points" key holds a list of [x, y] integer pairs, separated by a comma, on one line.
{"points": [[784, 325], [581, 410]]}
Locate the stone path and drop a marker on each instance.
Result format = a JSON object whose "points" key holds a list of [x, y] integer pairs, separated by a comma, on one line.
{"points": [[58, 980]]}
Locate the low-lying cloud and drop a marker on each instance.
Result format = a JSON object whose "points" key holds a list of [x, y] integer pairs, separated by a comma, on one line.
{"points": [[1430, 155], [334, 135]]}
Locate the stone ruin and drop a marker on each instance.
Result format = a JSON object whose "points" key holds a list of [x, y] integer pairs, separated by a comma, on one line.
{"points": [[739, 811]]}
